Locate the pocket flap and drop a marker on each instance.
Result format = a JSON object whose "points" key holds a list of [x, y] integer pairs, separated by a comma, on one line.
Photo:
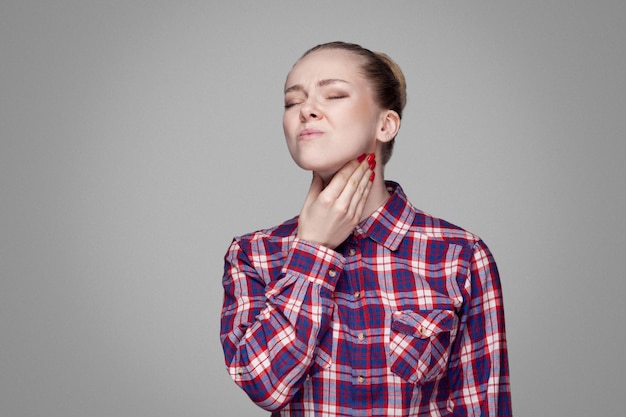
{"points": [[423, 324]]}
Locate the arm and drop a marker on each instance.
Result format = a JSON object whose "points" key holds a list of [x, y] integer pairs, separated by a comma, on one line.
{"points": [[269, 333], [479, 370]]}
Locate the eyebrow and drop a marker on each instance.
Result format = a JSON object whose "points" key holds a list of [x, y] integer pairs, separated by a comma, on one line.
{"points": [[321, 83]]}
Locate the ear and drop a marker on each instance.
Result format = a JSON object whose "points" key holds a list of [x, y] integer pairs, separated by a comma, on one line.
{"points": [[388, 126]]}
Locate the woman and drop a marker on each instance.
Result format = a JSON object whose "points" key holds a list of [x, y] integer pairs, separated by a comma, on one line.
{"points": [[361, 305]]}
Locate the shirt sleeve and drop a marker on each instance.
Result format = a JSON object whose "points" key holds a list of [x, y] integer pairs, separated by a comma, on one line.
{"points": [[269, 331], [479, 370]]}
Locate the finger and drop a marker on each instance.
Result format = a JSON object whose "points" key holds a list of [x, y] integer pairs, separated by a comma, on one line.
{"points": [[339, 181], [317, 185], [361, 203], [360, 194], [355, 187]]}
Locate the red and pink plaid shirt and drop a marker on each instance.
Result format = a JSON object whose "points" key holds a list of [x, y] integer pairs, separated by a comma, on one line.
{"points": [[405, 318]]}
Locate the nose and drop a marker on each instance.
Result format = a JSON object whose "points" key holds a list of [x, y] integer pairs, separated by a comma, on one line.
{"points": [[309, 111]]}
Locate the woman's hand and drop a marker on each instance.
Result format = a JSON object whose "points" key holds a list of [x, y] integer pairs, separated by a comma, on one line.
{"points": [[330, 214]]}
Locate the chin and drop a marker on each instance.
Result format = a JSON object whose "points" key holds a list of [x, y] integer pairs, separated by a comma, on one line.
{"points": [[325, 169], [317, 163]]}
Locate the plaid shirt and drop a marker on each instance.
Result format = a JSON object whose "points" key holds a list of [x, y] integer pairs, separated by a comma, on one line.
{"points": [[405, 318]]}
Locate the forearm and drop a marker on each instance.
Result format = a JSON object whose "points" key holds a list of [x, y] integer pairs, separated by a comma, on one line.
{"points": [[270, 331], [479, 369]]}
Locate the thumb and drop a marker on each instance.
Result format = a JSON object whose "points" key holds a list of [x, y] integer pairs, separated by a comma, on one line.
{"points": [[317, 185]]}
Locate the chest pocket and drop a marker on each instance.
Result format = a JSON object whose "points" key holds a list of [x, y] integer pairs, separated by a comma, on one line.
{"points": [[419, 344]]}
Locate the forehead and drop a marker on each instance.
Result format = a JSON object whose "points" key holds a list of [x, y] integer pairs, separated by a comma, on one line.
{"points": [[326, 64]]}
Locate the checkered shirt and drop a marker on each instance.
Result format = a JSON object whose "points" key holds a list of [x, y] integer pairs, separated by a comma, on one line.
{"points": [[404, 318]]}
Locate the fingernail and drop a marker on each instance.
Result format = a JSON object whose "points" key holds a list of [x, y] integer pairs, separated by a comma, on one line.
{"points": [[361, 158], [370, 158], [372, 176], [372, 165]]}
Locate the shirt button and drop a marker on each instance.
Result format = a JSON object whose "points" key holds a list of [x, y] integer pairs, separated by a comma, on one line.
{"points": [[239, 371], [361, 379], [352, 252], [357, 295], [332, 273], [361, 336]]}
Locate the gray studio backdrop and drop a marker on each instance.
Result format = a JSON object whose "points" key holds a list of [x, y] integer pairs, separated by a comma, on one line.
{"points": [[138, 137]]}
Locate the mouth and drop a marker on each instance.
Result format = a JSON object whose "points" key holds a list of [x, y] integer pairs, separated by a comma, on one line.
{"points": [[309, 133]]}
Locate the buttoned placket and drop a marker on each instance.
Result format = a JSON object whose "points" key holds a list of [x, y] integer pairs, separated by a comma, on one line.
{"points": [[353, 256]]}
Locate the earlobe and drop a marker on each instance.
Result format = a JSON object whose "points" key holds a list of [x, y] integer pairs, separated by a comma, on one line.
{"points": [[389, 126]]}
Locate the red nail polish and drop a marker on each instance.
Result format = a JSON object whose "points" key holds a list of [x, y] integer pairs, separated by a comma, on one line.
{"points": [[361, 158], [370, 158], [372, 176], [372, 165]]}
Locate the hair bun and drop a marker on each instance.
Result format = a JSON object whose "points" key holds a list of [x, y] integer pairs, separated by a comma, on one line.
{"points": [[397, 73]]}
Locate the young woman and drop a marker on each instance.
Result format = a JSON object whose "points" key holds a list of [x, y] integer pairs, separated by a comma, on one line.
{"points": [[361, 305]]}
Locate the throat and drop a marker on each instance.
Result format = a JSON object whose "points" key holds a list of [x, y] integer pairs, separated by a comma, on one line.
{"points": [[376, 199]]}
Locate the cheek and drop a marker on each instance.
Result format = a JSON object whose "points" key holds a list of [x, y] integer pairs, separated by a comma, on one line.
{"points": [[288, 125], [360, 125], [288, 132]]}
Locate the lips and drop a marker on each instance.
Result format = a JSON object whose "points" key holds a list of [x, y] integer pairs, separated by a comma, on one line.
{"points": [[309, 133]]}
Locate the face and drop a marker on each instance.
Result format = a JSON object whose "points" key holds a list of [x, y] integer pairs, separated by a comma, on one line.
{"points": [[330, 113]]}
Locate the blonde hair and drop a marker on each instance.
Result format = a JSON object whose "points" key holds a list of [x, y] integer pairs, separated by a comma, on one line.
{"points": [[385, 76]]}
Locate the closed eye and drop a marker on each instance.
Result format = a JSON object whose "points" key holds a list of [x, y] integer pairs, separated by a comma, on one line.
{"points": [[290, 104]]}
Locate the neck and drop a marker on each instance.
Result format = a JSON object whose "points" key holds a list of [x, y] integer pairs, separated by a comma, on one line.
{"points": [[377, 197]]}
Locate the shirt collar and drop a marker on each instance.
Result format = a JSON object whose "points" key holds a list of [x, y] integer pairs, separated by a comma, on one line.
{"points": [[389, 224]]}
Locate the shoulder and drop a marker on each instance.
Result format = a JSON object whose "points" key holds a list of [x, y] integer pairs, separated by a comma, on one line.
{"points": [[470, 246], [403, 218], [438, 228], [261, 253], [423, 223], [283, 230], [272, 239]]}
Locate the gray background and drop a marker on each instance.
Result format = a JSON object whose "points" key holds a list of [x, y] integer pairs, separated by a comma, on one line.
{"points": [[139, 137]]}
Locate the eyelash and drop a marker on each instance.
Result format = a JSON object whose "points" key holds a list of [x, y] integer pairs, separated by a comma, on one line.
{"points": [[334, 97]]}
